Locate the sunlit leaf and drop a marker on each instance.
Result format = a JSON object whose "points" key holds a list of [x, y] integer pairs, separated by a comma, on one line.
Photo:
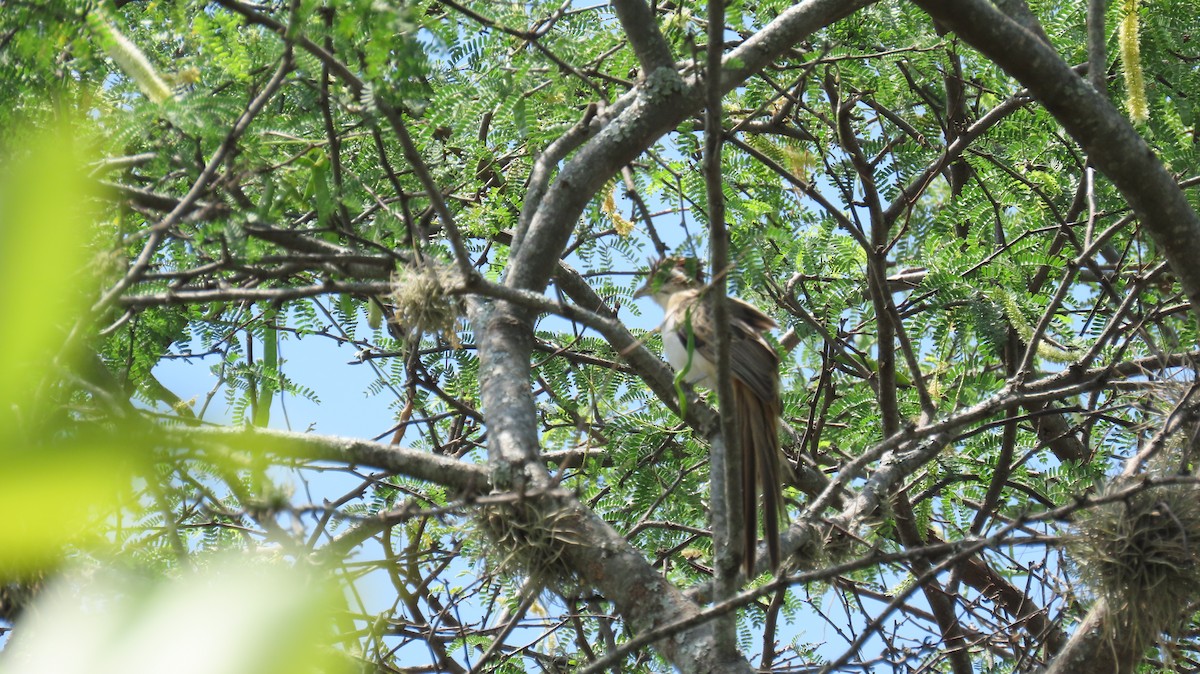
{"points": [[74, 486], [239, 615], [44, 224]]}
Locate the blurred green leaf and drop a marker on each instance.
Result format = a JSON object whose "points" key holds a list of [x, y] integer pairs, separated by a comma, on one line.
{"points": [[44, 225], [237, 615], [55, 483], [55, 495]]}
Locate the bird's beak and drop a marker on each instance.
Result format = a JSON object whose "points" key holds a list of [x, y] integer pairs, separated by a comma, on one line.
{"points": [[643, 291]]}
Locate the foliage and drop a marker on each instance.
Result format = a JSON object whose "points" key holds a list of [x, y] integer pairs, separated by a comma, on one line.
{"points": [[977, 331]]}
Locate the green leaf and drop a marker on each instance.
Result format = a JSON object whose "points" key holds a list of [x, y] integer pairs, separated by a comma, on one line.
{"points": [[239, 615], [73, 486], [44, 260], [268, 384]]}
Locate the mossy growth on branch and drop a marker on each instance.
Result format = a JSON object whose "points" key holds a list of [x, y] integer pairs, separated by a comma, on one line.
{"points": [[422, 303], [1141, 555], [529, 538]]}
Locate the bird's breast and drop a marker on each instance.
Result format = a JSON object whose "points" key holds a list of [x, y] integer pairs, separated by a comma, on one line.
{"points": [[697, 369]]}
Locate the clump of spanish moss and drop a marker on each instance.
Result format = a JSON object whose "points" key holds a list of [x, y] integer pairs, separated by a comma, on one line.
{"points": [[530, 538], [1141, 555], [421, 303]]}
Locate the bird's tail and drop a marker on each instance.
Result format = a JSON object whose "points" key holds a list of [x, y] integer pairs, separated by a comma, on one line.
{"points": [[762, 468]]}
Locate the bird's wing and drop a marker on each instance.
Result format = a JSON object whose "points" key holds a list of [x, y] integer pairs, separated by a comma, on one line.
{"points": [[752, 359], [749, 314]]}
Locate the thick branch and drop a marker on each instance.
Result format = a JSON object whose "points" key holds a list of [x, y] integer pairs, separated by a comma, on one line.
{"points": [[204, 296], [658, 105], [641, 28], [621, 573], [468, 479]]}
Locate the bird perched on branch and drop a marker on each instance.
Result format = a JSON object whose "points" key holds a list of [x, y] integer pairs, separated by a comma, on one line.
{"points": [[689, 341]]}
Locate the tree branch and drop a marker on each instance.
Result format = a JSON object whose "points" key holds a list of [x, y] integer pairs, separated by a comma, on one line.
{"points": [[468, 479], [641, 27], [655, 107]]}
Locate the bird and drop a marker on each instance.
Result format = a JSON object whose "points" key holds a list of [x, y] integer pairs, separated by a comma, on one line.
{"points": [[689, 343]]}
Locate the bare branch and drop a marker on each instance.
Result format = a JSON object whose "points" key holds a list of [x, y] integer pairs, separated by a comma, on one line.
{"points": [[469, 479]]}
